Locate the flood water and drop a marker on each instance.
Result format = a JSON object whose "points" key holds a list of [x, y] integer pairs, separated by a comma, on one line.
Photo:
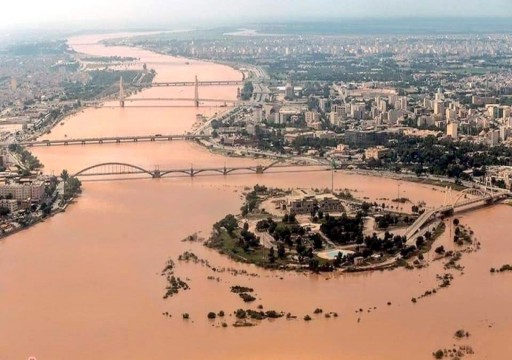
{"points": [[86, 284]]}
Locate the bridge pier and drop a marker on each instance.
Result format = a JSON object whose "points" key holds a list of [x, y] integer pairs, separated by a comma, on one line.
{"points": [[196, 93], [121, 92], [260, 169], [156, 174]]}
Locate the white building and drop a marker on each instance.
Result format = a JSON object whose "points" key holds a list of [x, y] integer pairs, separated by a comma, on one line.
{"points": [[12, 205], [439, 108], [494, 137], [312, 116], [34, 191]]}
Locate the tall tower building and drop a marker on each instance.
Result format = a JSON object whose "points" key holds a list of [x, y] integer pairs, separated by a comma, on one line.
{"points": [[289, 91], [452, 130]]}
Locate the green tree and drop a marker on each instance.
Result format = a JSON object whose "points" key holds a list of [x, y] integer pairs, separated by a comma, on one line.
{"points": [[314, 264], [281, 252], [64, 175], [271, 255], [420, 241]]}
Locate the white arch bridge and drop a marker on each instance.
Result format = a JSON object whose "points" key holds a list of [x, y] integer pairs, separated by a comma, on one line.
{"points": [[119, 168], [466, 199]]}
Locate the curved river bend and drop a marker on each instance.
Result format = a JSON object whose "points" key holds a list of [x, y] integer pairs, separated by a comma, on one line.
{"points": [[86, 284]]}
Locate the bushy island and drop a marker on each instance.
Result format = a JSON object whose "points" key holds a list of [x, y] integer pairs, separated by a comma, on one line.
{"points": [[321, 240]]}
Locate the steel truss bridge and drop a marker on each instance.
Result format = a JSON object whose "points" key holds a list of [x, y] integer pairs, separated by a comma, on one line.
{"points": [[118, 168], [224, 101], [111, 140], [196, 83], [465, 200]]}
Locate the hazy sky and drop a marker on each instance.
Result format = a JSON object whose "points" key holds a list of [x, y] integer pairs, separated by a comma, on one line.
{"points": [[143, 12]]}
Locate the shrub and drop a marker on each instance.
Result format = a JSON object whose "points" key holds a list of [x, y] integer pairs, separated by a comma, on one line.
{"points": [[439, 354], [240, 314], [461, 333], [211, 315]]}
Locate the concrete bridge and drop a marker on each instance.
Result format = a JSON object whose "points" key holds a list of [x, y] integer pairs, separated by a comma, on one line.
{"points": [[118, 168], [199, 83], [111, 140], [465, 200]]}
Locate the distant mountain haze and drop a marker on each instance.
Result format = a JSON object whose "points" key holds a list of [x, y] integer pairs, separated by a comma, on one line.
{"points": [[169, 13]]}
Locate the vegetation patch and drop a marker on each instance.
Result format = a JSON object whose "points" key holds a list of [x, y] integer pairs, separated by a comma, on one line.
{"points": [[174, 283], [503, 268], [457, 352]]}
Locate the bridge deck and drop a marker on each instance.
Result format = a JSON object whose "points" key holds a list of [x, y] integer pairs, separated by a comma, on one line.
{"points": [[180, 99], [111, 139], [115, 168], [429, 214]]}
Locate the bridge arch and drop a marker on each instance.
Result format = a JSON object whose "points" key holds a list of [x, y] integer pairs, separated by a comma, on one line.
{"points": [[265, 168], [475, 193], [113, 164]]}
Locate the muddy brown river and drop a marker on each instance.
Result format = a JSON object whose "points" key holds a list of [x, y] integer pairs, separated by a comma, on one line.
{"points": [[86, 284]]}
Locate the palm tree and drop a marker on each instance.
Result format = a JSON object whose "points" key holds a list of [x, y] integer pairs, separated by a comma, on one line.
{"points": [[64, 175]]}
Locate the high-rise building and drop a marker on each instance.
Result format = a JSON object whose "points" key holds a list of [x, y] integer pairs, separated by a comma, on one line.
{"points": [[403, 102], [289, 90], [452, 130], [494, 137], [439, 95], [311, 117], [450, 114], [503, 133], [322, 104], [333, 118], [439, 108]]}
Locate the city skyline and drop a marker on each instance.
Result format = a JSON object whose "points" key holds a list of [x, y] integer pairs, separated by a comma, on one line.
{"points": [[152, 13]]}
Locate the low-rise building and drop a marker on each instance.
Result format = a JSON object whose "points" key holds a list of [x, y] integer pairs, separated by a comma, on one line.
{"points": [[308, 203], [378, 152]]}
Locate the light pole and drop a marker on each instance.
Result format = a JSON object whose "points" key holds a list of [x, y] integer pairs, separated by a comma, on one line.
{"points": [[398, 194], [332, 176]]}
